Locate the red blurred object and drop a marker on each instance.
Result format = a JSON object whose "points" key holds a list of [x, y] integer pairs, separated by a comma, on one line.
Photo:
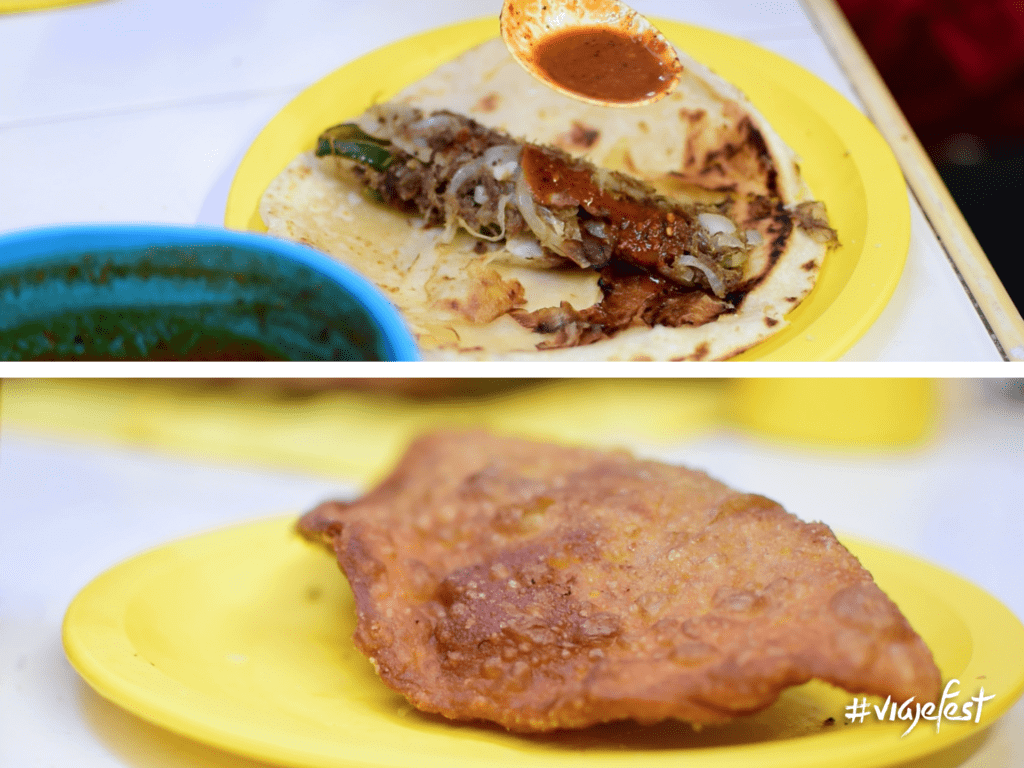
{"points": [[954, 67]]}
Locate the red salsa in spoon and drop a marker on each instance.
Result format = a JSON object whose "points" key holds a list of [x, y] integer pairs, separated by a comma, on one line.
{"points": [[602, 63], [600, 51]]}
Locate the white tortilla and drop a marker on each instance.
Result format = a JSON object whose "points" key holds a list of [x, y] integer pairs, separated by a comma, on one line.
{"points": [[448, 292]]}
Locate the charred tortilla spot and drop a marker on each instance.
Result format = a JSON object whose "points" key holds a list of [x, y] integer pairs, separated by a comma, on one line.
{"points": [[488, 103], [761, 207], [782, 228], [771, 322], [690, 157], [809, 265], [628, 162], [580, 137], [755, 140], [742, 152]]}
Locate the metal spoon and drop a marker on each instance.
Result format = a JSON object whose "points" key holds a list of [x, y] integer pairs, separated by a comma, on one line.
{"points": [[599, 51]]}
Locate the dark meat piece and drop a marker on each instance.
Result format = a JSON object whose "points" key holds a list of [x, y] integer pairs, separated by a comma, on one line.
{"points": [[630, 298], [543, 587]]}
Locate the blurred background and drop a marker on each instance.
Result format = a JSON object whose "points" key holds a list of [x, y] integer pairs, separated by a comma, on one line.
{"points": [[932, 466], [957, 71]]}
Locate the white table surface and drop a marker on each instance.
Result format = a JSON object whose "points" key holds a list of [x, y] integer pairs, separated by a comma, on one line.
{"points": [[141, 110], [70, 510]]}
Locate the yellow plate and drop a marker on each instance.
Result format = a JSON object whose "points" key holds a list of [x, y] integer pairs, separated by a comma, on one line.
{"points": [[845, 161], [17, 6], [242, 639]]}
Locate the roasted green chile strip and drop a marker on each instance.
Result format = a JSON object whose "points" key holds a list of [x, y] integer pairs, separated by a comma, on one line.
{"points": [[349, 141]]}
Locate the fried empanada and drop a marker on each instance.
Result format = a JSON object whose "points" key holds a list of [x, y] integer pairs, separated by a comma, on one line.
{"points": [[545, 587]]}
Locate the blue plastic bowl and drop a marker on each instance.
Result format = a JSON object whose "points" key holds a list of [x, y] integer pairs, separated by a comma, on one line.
{"points": [[152, 292]]}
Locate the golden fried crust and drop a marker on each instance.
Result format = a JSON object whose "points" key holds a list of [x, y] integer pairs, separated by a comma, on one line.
{"points": [[544, 587]]}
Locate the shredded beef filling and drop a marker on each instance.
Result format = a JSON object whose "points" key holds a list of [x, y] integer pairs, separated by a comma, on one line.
{"points": [[658, 264], [631, 297]]}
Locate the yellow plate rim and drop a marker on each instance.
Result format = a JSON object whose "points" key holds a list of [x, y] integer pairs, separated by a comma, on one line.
{"points": [[820, 329], [21, 6], [97, 644]]}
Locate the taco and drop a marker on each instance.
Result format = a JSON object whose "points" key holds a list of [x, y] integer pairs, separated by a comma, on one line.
{"points": [[507, 221]]}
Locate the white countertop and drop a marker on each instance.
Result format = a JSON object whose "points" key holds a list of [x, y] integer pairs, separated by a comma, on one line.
{"points": [[71, 510], [141, 110]]}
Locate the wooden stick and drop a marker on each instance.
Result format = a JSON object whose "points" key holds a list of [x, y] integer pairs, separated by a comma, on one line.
{"points": [[994, 305]]}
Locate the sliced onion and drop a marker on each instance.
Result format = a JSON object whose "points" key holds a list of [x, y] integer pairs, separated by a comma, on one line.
{"points": [[503, 160], [557, 224], [504, 171], [430, 125], [451, 201], [381, 121], [503, 202], [689, 260], [716, 224], [393, 123], [545, 233], [502, 205], [524, 247], [451, 226], [734, 259], [460, 177], [726, 240], [502, 153]]}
